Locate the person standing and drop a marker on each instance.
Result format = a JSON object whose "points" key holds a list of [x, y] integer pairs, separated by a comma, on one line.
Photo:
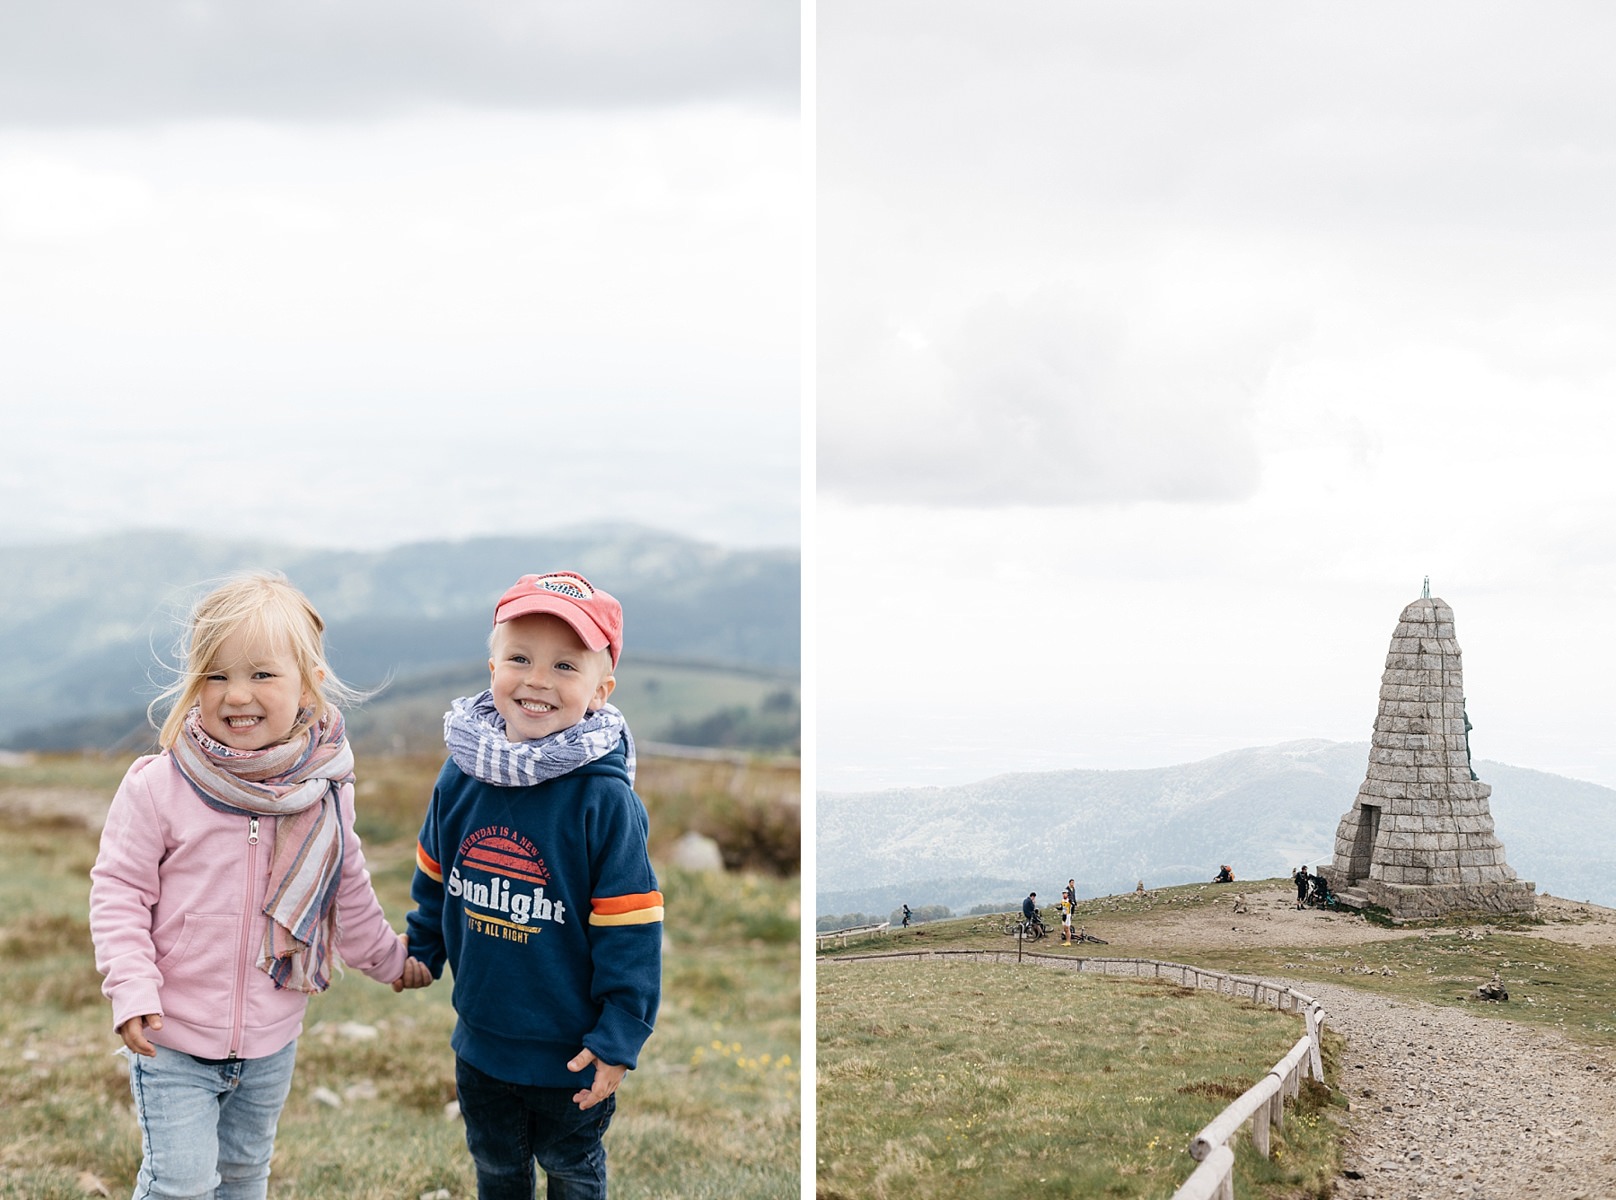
{"points": [[534, 888], [228, 884]]}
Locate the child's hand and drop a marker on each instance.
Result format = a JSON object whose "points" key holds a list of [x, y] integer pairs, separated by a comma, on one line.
{"points": [[133, 1034], [415, 975], [607, 1077]]}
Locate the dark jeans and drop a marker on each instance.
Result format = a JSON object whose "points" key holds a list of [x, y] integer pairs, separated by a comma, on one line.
{"points": [[509, 1125]]}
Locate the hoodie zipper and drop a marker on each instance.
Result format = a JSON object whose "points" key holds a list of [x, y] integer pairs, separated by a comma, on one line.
{"points": [[237, 1016]]}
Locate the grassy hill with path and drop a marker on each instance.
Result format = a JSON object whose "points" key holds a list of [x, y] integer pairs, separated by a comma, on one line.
{"points": [[1088, 1085]]}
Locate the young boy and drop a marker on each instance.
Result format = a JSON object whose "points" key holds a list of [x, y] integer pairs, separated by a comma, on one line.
{"points": [[533, 883]]}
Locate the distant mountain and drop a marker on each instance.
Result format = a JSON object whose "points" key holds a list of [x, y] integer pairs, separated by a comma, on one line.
{"points": [[83, 624], [1264, 811]]}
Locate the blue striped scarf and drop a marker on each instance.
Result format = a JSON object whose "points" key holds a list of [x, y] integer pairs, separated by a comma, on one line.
{"points": [[296, 782], [475, 734]]}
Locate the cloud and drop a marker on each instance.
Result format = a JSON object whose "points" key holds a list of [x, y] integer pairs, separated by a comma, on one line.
{"points": [[45, 199], [1045, 401], [119, 62]]}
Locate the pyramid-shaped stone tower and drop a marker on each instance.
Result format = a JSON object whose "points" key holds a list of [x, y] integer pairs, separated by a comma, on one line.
{"points": [[1419, 840]]}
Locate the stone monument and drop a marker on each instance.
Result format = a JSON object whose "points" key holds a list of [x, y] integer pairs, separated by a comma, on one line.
{"points": [[1419, 839]]}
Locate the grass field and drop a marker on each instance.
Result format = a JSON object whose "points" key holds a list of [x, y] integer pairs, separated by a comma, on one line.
{"points": [[712, 1111], [937, 1079]]}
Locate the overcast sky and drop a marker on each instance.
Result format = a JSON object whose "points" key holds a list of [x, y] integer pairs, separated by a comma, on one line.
{"points": [[365, 273], [1164, 349]]}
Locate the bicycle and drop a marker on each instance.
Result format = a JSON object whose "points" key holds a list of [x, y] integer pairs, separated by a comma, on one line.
{"points": [[1083, 935], [1027, 930], [1319, 894]]}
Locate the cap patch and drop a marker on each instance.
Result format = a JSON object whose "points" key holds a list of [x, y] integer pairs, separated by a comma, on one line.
{"points": [[564, 584]]}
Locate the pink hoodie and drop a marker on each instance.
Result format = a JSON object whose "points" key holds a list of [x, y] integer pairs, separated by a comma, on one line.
{"points": [[176, 914]]}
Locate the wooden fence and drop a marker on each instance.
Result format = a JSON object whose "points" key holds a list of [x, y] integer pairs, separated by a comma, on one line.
{"points": [[1263, 1104], [840, 936]]}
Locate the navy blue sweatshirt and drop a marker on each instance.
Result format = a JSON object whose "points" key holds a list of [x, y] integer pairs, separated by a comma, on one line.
{"points": [[542, 901]]}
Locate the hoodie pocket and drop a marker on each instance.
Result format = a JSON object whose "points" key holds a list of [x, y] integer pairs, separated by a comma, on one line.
{"points": [[202, 961]]}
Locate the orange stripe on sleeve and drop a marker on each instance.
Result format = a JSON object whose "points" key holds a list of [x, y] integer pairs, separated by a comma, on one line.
{"points": [[642, 908], [427, 863], [611, 905]]}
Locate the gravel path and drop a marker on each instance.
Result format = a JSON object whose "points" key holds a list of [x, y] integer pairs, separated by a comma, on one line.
{"points": [[1449, 1104]]}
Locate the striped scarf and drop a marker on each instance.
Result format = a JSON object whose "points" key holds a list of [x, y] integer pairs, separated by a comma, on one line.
{"points": [[295, 782], [475, 734]]}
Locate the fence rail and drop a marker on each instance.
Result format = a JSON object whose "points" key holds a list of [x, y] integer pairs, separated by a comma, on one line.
{"points": [[1263, 1104], [840, 936]]}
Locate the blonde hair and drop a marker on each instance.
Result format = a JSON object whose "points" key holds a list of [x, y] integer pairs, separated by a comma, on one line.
{"points": [[265, 607]]}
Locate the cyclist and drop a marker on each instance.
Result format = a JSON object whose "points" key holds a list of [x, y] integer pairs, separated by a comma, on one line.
{"points": [[1029, 910]]}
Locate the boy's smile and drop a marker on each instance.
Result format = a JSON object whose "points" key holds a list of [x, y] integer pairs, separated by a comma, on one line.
{"points": [[543, 678]]}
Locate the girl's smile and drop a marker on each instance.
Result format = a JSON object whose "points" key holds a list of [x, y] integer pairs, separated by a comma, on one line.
{"points": [[251, 697]]}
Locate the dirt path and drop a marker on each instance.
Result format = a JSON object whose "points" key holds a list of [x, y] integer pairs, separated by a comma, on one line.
{"points": [[1446, 1103], [1453, 1105]]}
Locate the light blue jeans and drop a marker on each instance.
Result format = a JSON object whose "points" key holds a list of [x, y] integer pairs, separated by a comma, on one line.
{"points": [[207, 1129]]}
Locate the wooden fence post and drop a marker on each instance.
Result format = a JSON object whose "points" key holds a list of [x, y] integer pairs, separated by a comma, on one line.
{"points": [[1314, 1019]]}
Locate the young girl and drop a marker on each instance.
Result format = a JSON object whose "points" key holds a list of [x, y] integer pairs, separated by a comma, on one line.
{"points": [[229, 875]]}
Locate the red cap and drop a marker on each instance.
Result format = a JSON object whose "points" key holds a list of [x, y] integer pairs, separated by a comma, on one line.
{"points": [[595, 617]]}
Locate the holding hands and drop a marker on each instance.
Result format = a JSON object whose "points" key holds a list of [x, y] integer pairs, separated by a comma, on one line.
{"points": [[415, 973]]}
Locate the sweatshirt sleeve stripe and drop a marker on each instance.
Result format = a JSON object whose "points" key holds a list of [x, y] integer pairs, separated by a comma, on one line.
{"points": [[428, 864], [643, 908]]}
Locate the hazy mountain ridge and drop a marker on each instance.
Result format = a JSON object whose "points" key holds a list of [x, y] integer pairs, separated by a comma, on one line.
{"points": [[1262, 810], [83, 624]]}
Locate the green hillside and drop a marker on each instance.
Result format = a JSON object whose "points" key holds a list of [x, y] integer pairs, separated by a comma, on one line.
{"points": [[710, 657]]}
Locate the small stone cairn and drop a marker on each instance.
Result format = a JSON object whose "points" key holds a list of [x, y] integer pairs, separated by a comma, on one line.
{"points": [[1419, 839]]}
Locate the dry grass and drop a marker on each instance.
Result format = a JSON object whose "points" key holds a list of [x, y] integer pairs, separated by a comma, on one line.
{"points": [[940, 1078], [712, 1111]]}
